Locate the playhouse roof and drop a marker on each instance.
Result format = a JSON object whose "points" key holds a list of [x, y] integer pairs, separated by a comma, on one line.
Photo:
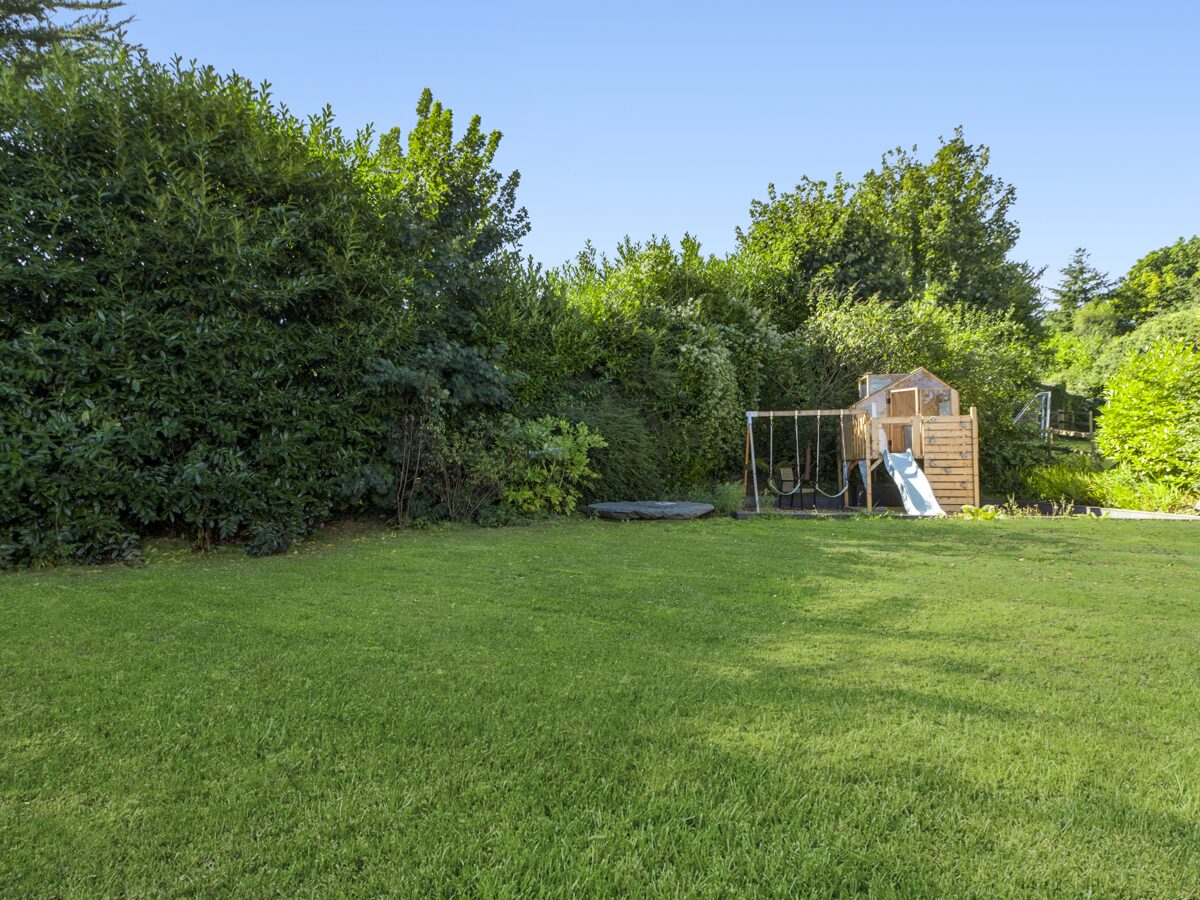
{"points": [[904, 376], [918, 377]]}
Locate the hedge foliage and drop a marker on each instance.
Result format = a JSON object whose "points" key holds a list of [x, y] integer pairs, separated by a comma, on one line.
{"points": [[663, 341], [226, 323], [214, 313], [1151, 422]]}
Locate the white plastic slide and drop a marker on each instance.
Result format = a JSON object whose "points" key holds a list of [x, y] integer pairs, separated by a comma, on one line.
{"points": [[914, 486]]}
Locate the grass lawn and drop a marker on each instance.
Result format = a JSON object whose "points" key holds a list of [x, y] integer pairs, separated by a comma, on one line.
{"points": [[767, 707]]}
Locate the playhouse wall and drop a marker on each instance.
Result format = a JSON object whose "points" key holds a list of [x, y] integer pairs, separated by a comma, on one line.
{"points": [[948, 447], [951, 448], [936, 397]]}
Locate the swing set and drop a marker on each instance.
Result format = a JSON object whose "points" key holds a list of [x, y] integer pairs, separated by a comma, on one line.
{"points": [[911, 417], [790, 485]]}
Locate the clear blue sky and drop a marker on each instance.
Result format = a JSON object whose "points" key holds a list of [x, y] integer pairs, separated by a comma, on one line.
{"points": [[641, 118]]}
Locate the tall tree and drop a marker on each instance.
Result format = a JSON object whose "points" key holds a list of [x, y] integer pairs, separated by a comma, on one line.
{"points": [[1162, 280], [819, 237], [951, 220], [28, 28], [1081, 285], [908, 230]]}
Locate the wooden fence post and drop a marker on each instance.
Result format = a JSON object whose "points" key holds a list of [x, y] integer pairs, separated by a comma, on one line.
{"points": [[975, 450]]}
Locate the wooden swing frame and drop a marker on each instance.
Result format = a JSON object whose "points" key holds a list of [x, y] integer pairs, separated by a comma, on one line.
{"points": [[946, 443]]}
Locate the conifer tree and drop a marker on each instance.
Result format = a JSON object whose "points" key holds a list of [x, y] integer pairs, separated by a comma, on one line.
{"points": [[1082, 284], [29, 28]]}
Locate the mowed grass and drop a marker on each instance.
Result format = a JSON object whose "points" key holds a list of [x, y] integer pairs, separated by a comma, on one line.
{"points": [[766, 708]]}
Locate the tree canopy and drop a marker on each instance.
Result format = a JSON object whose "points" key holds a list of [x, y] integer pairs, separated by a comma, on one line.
{"points": [[1162, 280], [907, 230], [228, 323], [29, 28], [1081, 284]]}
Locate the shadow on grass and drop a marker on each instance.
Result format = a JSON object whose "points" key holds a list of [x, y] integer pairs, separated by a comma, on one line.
{"points": [[701, 709]]}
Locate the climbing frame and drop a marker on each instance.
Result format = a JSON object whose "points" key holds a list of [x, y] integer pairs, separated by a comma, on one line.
{"points": [[951, 459], [914, 411]]}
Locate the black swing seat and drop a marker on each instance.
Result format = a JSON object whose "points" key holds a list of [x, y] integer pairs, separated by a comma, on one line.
{"points": [[807, 497], [789, 497]]}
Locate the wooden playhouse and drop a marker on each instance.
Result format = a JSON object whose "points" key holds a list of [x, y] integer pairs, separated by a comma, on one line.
{"points": [[914, 412]]}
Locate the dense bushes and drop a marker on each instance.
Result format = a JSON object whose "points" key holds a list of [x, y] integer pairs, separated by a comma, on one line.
{"points": [[656, 343], [1082, 478], [1151, 422], [1149, 428], [1163, 280], [1129, 348], [213, 312], [225, 323], [1073, 479], [182, 281], [675, 330], [631, 462], [547, 464], [1098, 322]]}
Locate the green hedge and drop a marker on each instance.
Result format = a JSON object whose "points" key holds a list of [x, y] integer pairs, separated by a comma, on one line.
{"points": [[213, 312], [224, 323], [1151, 423]]}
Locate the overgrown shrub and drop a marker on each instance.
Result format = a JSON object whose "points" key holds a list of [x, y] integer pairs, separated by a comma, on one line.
{"points": [[1079, 478], [496, 470], [988, 513], [212, 311], [466, 469], [1072, 478], [1151, 422], [659, 324], [170, 361], [547, 464], [1086, 363], [1120, 488], [630, 466], [726, 496]]}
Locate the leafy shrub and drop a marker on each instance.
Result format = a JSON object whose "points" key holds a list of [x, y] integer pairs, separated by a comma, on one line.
{"points": [[1151, 422], [1007, 451], [172, 346], [711, 411], [1120, 488], [986, 513], [1086, 362], [548, 464], [630, 465], [1072, 478], [1081, 479], [726, 497], [1162, 280], [214, 313], [466, 469], [669, 327]]}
